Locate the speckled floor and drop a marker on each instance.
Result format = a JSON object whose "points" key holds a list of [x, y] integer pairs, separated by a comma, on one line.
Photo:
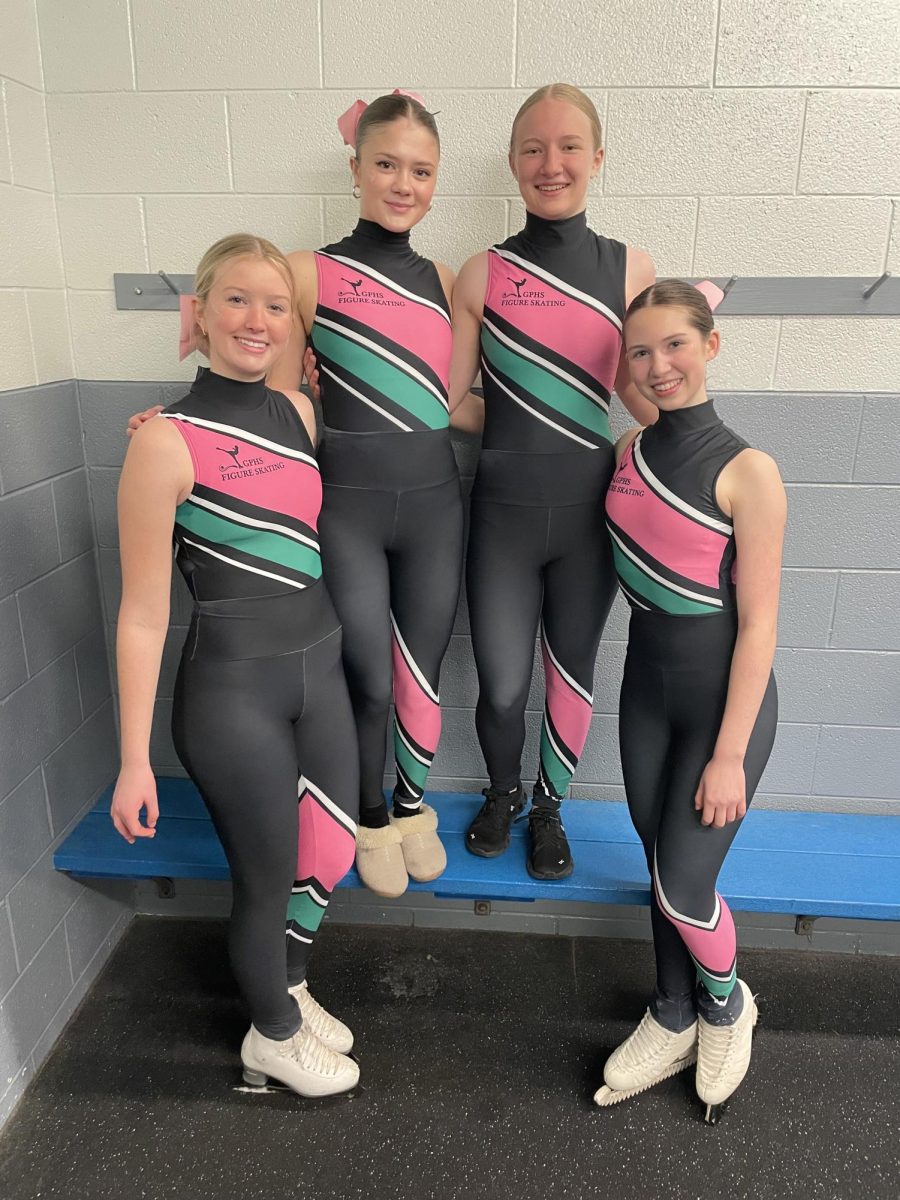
{"points": [[479, 1053]]}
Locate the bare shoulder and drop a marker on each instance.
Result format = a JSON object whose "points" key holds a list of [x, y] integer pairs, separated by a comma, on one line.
{"points": [[625, 441], [640, 272], [302, 261], [750, 486], [447, 277], [471, 283], [304, 407]]}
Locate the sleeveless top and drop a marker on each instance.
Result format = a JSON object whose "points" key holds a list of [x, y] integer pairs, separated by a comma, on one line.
{"points": [[551, 337], [673, 546], [381, 335], [249, 527]]}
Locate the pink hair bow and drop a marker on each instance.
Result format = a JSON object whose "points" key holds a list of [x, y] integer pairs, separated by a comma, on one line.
{"points": [[714, 294], [348, 121]]}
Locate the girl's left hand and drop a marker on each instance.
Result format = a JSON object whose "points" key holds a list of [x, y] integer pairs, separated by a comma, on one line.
{"points": [[722, 794]]}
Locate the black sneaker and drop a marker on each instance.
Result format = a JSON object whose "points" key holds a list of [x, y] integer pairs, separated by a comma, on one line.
{"points": [[550, 857], [488, 835]]}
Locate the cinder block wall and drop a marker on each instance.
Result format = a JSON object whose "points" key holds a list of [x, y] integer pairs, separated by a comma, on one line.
{"points": [[751, 137]]}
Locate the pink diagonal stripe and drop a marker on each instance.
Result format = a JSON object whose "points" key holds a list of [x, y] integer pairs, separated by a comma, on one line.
{"points": [[569, 712], [325, 848], [418, 713]]}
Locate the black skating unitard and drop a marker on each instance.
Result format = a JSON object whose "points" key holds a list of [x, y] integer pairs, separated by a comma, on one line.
{"points": [[674, 550], [262, 720], [392, 522], [538, 552]]}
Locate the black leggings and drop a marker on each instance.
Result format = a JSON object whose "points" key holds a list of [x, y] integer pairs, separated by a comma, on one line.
{"points": [[391, 532], [265, 730], [673, 698], [539, 557]]}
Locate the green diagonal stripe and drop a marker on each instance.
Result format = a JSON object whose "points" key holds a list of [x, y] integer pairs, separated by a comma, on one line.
{"points": [[546, 386], [261, 543], [383, 376], [307, 914], [555, 769], [717, 987], [669, 601], [417, 772]]}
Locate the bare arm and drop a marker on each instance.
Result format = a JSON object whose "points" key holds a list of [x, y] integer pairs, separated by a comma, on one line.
{"points": [[306, 411], [750, 488], [624, 442], [287, 373], [467, 409], [157, 474], [639, 274]]}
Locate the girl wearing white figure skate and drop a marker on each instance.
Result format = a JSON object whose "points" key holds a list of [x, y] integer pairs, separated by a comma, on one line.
{"points": [[696, 519]]}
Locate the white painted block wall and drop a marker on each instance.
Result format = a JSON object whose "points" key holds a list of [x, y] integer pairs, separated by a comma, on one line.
{"points": [[743, 136]]}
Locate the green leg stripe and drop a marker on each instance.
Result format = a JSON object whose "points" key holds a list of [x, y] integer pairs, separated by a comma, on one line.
{"points": [[720, 988], [414, 770], [555, 770], [307, 914]]}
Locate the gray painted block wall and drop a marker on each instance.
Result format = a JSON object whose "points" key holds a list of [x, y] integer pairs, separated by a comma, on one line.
{"points": [[57, 733], [838, 747]]}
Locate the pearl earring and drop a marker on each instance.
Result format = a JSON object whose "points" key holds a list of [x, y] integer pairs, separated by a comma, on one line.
{"points": [[355, 191]]}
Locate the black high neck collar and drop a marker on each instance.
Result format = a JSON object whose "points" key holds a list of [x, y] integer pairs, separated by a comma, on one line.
{"points": [[371, 231], [566, 232], [677, 422], [219, 389]]}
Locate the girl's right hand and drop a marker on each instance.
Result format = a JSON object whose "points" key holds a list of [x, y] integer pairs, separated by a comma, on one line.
{"points": [[135, 790], [135, 422], [311, 371]]}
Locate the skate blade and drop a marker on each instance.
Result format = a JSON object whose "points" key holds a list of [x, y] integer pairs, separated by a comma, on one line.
{"points": [[607, 1096], [714, 1112], [304, 1102]]}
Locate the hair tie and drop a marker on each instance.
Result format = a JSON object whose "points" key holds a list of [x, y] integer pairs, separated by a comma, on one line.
{"points": [[348, 122], [713, 293]]}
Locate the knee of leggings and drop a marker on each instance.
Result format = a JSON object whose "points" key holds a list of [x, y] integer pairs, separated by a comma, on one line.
{"points": [[685, 897], [370, 695], [501, 703]]}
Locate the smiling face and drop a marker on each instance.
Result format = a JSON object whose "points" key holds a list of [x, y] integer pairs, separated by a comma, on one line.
{"points": [[396, 173], [667, 356], [247, 317], [554, 158]]}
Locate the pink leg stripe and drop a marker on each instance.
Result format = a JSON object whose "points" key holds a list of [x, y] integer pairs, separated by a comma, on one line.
{"points": [[419, 715], [325, 848], [713, 949], [569, 712]]}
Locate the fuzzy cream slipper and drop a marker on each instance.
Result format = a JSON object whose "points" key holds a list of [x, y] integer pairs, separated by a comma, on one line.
{"points": [[423, 851], [380, 862]]}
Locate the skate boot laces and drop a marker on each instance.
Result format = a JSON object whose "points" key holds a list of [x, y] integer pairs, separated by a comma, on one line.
{"points": [[319, 1020], [306, 1049], [649, 1043]]}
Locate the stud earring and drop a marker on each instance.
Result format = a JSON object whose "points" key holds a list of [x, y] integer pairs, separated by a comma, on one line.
{"points": [[355, 191]]}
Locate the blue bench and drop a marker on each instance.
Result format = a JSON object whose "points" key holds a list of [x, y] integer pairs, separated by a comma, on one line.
{"points": [[806, 864]]}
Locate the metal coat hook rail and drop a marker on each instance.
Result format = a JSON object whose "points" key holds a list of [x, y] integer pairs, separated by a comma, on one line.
{"points": [[759, 296]]}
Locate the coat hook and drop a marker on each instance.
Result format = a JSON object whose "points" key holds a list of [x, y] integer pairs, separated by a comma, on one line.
{"points": [[729, 285], [873, 287], [168, 282]]}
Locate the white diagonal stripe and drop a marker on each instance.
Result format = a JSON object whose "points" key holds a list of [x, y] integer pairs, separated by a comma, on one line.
{"points": [[676, 501], [573, 684], [540, 416], [243, 566], [241, 519], [365, 399], [388, 283], [299, 938], [244, 435], [561, 285], [667, 583], [599, 400], [309, 890], [375, 348], [426, 762], [676, 915], [411, 663], [559, 754], [304, 785]]}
